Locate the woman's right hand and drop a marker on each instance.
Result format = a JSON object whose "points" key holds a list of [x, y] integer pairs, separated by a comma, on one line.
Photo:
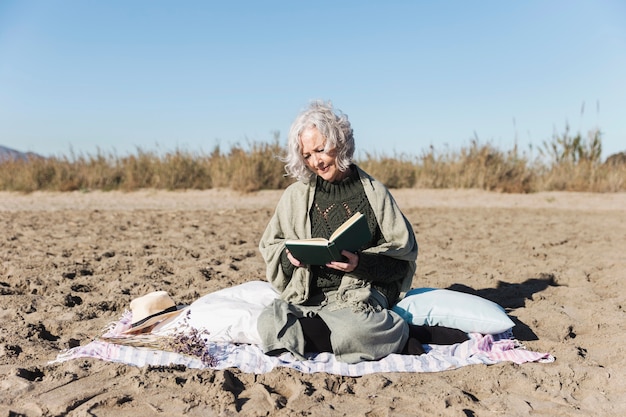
{"points": [[293, 260]]}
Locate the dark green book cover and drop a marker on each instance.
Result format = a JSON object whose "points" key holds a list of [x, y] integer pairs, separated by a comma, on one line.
{"points": [[350, 236]]}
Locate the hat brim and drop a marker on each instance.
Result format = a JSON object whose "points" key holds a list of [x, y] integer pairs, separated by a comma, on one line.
{"points": [[149, 324]]}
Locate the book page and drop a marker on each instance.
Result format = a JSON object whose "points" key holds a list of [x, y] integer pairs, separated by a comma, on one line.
{"points": [[312, 241], [346, 225]]}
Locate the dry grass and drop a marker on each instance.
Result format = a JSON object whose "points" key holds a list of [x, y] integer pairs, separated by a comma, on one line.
{"points": [[567, 162], [239, 169]]}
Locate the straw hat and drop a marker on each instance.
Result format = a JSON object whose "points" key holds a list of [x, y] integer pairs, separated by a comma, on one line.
{"points": [[151, 309]]}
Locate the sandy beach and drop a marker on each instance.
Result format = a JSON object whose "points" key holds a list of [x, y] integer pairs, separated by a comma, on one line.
{"points": [[70, 263]]}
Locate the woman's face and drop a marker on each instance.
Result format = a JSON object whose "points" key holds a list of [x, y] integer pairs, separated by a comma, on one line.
{"points": [[321, 163]]}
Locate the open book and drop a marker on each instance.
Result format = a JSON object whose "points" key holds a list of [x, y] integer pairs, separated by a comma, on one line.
{"points": [[350, 236]]}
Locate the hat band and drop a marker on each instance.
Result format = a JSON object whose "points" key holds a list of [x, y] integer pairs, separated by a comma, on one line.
{"points": [[142, 321]]}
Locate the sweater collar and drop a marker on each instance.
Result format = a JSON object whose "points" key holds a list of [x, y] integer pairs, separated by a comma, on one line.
{"points": [[342, 187]]}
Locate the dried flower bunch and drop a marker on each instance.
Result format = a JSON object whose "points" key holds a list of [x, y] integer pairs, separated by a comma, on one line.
{"points": [[186, 341], [192, 342]]}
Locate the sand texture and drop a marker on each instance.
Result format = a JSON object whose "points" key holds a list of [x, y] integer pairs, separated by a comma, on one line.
{"points": [[70, 263]]}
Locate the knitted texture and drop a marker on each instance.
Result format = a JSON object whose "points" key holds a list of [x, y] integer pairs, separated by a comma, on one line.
{"points": [[335, 203]]}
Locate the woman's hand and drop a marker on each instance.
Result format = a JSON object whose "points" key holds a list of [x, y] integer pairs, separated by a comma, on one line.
{"points": [[353, 262], [293, 260]]}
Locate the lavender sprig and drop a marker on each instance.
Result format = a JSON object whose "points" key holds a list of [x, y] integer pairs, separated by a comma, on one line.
{"points": [[190, 341]]}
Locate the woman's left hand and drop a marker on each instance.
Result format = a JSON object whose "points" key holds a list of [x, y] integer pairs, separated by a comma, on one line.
{"points": [[353, 262]]}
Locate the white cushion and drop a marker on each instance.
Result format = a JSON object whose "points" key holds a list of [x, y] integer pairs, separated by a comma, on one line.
{"points": [[228, 315], [457, 310]]}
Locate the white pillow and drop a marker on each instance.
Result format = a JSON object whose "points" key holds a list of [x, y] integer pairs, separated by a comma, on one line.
{"points": [[228, 315], [457, 310]]}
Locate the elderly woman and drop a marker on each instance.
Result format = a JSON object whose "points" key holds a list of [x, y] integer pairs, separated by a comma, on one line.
{"points": [[341, 307]]}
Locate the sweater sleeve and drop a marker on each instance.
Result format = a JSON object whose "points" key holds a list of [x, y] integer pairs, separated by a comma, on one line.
{"points": [[380, 269]]}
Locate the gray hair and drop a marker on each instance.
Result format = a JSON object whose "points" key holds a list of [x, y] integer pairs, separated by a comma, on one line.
{"points": [[333, 125]]}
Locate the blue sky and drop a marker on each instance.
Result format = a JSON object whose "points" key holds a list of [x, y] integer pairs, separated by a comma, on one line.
{"points": [[161, 75]]}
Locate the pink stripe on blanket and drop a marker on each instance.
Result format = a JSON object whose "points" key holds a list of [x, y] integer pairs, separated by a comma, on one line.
{"points": [[506, 350]]}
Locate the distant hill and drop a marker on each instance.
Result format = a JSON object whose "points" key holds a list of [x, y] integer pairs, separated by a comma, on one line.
{"points": [[8, 153]]}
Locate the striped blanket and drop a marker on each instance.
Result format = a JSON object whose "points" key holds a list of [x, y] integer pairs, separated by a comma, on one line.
{"points": [[480, 349]]}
